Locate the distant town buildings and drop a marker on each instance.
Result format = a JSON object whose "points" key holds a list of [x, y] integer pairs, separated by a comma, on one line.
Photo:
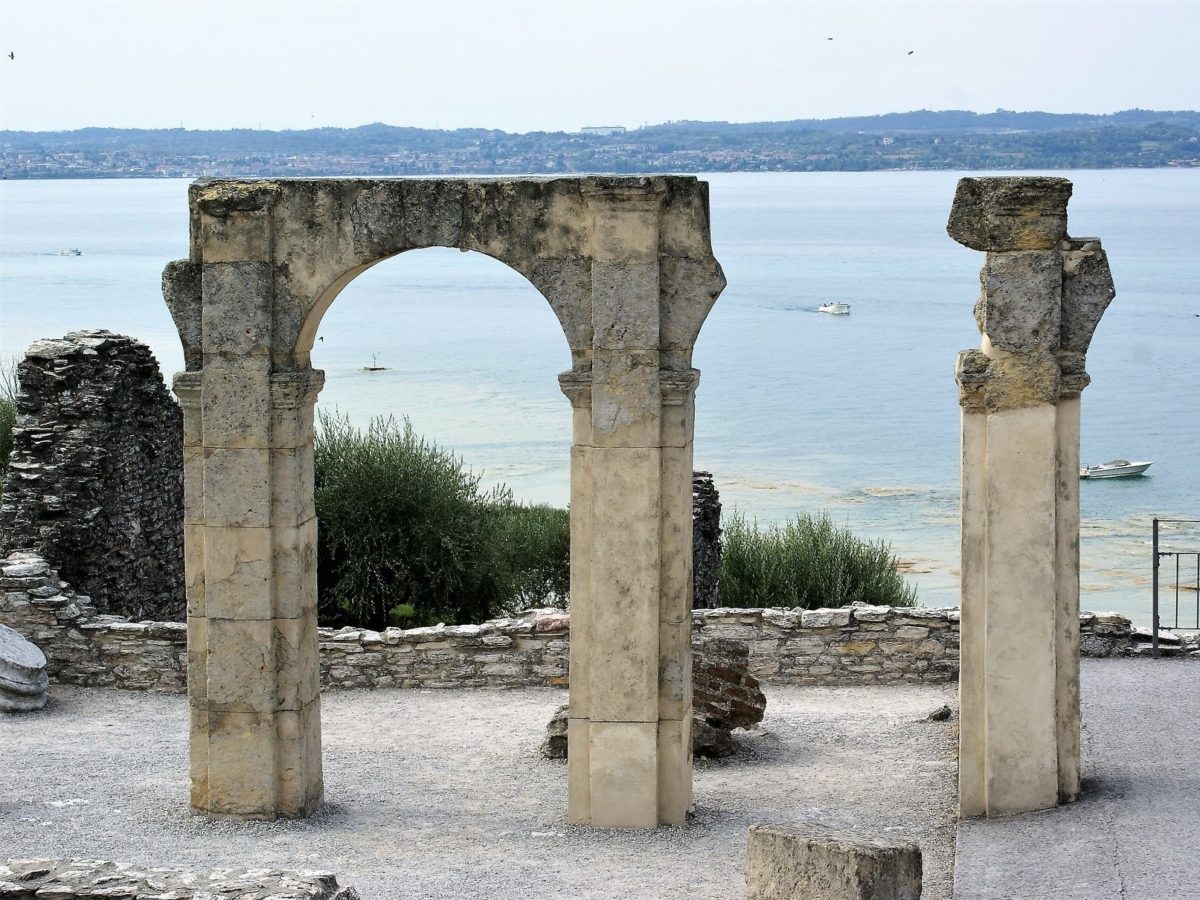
{"points": [[602, 130]]}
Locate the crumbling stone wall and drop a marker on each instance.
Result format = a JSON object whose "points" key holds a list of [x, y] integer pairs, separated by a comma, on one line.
{"points": [[37, 879], [95, 482], [706, 541], [852, 646]]}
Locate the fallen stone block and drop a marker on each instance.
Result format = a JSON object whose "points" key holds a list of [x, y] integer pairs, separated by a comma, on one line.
{"points": [[725, 696], [23, 679], [789, 862]]}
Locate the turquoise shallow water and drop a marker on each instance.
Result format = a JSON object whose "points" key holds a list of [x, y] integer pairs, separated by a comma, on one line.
{"points": [[796, 410]]}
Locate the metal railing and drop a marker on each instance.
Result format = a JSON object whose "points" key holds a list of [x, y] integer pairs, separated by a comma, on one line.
{"points": [[1179, 556]]}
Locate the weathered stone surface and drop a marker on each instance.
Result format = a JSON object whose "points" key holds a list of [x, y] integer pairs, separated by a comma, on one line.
{"points": [[1010, 213], [96, 474], [725, 696], [1042, 295], [43, 879], [784, 862], [706, 541], [626, 265], [23, 679]]}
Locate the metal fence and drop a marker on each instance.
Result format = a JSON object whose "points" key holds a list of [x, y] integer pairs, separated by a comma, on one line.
{"points": [[1186, 616]]}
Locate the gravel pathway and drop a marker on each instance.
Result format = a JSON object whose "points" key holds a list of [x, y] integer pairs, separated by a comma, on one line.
{"points": [[433, 794]]}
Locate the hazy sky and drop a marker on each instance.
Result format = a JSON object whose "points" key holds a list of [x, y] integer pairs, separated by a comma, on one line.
{"points": [[526, 65]]}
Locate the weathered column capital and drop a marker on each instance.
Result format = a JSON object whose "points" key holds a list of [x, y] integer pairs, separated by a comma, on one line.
{"points": [[576, 384], [186, 386], [678, 386], [1042, 293], [292, 390], [1010, 213]]}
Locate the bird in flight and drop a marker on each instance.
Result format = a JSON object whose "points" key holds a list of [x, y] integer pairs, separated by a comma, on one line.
{"points": [[11, 55], [911, 52]]}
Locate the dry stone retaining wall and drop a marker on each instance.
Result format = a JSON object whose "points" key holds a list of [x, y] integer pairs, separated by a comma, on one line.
{"points": [[95, 481], [856, 645]]}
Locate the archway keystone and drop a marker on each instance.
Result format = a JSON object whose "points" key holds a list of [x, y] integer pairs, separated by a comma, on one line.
{"points": [[627, 266]]}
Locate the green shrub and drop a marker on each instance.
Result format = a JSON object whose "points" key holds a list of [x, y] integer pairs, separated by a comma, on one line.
{"points": [[405, 537], [808, 562], [400, 521], [532, 550]]}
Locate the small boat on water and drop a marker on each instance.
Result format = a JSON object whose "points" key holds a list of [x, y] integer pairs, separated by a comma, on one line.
{"points": [[1115, 468], [835, 308], [70, 251]]}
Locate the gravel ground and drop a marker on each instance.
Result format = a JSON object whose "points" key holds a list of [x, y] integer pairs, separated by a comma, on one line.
{"points": [[435, 794]]}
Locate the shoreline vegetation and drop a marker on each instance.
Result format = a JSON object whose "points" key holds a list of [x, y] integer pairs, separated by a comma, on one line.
{"points": [[407, 537], [918, 140]]}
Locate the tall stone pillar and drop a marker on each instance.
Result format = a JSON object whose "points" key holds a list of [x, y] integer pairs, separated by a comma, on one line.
{"points": [[1042, 295], [250, 537], [631, 464]]}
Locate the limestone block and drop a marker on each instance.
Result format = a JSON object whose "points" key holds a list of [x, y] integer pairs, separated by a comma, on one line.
{"points": [[238, 564], [236, 314], [676, 546], [294, 570], [566, 283], [625, 310], [1013, 213], [623, 762], [626, 399], [292, 501], [579, 771], [808, 860], [235, 407], [241, 766], [237, 488], [1086, 293], [1020, 306], [674, 770], [240, 671], [625, 585]]}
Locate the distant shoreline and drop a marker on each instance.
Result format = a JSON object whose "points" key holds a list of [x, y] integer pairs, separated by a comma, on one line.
{"points": [[923, 140]]}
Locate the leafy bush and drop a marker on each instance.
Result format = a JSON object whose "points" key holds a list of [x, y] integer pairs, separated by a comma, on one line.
{"points": [[532, 550], [406, 537], [808, 562]]}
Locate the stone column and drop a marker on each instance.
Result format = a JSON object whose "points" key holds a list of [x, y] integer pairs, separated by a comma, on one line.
{"points": [[630, 711], [1042, 295], [250, 541]]}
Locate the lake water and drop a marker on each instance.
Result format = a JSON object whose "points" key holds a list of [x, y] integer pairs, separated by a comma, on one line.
{"points": [[855, 415]]}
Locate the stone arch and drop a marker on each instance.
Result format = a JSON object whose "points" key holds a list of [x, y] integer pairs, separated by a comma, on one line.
{"points": [[626, 265]]}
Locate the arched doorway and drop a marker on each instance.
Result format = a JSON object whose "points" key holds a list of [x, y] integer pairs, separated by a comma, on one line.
{"points": [[626, 265]]}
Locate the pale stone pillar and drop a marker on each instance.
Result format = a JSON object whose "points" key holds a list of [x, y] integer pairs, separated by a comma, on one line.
{"points": [[1042, 296], [250, 541], [629, 725]]}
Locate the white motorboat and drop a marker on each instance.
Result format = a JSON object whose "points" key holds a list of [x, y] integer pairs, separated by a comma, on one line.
{"points": [[835, 308], [1115, 468], [71, 251]]}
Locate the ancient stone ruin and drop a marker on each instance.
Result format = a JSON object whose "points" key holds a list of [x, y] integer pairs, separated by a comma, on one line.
{"points": [[23, 679], [706, 542], [93, 879], [725, 696], [1042, 295], [94, 482], [626, 264]]}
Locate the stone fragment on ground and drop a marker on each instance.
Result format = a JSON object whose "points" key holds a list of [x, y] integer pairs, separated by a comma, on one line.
{"points": [[811, 860], [23, 679], [725, 696], [27, 879]]}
